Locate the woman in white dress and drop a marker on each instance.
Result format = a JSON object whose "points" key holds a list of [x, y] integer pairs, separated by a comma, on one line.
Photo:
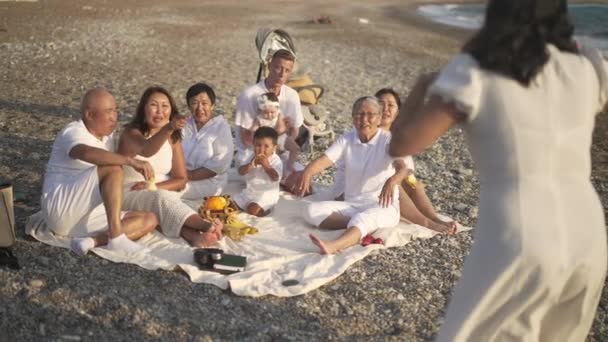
{"points": [[526, 97], [207, 143], [154, 135]]}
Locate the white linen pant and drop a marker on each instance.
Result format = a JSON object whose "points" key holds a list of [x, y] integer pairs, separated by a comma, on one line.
{"points": [[74, 207], [524, 299], [197, 190], [167, 205], [366, 217]]}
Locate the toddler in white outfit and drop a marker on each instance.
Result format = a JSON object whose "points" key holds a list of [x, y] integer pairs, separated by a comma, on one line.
{"points": [[262, 174]]}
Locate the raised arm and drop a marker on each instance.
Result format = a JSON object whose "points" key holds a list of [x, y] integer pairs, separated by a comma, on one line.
{"points": [[414, 135], [101, 157], [272, 173], [421, 122], [313, 168], [133, 142], [98, 156]]}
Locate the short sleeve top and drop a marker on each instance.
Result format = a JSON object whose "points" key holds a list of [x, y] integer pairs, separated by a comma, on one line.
{"points": [[366, 166], [516, 131], [61, 165]]}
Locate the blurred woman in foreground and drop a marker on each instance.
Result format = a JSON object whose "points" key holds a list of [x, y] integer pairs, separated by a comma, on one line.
{"points": [[527, 98]]}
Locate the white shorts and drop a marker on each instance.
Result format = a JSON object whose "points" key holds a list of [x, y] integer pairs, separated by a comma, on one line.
{"points": [[366, 217]]}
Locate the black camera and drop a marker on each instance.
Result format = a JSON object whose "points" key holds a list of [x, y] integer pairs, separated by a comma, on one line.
{"points": [[206, 257]]}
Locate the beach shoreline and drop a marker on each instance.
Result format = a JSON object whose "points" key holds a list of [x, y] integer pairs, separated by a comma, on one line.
{"points": [[52, 51]]}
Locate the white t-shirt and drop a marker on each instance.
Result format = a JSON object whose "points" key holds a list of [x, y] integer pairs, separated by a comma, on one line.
{"points": [[367, 166], [63, 167], [210, 147], [247, 107], [258, 181]]}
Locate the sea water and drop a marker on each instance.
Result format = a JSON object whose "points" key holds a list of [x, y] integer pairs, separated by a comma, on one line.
{"points": [[590, 20]]}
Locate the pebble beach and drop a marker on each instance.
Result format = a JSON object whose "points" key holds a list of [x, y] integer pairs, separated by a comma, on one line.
{"points": [[51, 52]]}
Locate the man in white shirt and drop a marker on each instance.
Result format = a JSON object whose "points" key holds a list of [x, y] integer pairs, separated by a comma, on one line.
{"points": [[82, 190], [280, 67]]}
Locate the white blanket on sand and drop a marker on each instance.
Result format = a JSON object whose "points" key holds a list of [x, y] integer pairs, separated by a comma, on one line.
{"points": [[280, 251]]}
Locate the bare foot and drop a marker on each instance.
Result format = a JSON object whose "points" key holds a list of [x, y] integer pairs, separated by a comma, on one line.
{"points": [[194, 237], [452, 226], [323, 246], [441, 227]]}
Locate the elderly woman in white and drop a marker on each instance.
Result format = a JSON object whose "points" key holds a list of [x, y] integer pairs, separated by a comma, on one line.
{"points": [[207, 143], [371, 196]]}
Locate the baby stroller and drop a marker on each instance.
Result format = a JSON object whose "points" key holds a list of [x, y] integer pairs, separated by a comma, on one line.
{"points": [[268, 41]]}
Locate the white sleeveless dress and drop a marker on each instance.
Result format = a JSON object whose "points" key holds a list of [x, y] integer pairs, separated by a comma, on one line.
{"points": [[538, 264], [167, 205]]}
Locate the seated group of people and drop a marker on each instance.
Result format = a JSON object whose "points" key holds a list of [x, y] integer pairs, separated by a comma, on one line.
{"points": [[104, 191]]}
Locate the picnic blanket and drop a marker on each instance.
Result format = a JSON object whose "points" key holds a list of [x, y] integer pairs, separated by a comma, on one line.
{"points": [[280, 252]]}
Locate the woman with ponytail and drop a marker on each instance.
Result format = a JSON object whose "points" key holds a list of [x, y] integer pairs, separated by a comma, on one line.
{"points": [[527, 98]]}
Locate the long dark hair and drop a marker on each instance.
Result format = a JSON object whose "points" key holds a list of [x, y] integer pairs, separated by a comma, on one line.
{"points": [[513, 39], [139, 120]]}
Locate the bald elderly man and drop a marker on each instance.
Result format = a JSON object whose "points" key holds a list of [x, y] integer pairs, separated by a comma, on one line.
{"points": [[82, 190]]}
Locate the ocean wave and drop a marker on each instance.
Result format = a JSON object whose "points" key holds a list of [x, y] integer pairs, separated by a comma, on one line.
{"points": [[462, 16], [589, 19]]}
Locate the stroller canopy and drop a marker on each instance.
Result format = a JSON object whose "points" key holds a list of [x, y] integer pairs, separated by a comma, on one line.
{"points": [[268, 41]]}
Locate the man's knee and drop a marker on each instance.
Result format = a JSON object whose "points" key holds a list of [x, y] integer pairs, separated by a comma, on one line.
{"points": [[109, 170], [150, 221]]}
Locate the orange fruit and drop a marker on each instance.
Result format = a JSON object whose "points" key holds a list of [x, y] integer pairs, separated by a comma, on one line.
{"points": [[216, 203]]}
